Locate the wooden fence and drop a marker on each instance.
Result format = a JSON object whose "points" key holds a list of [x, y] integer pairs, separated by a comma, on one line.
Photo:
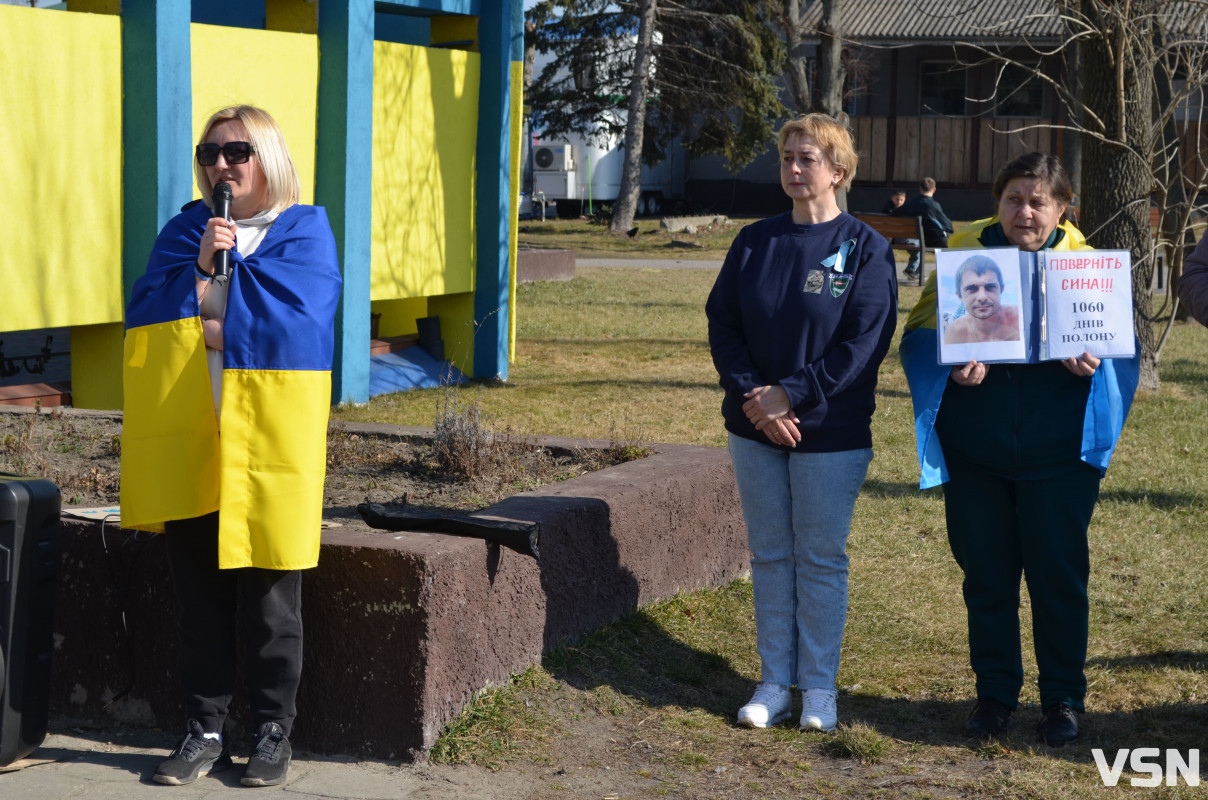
{"points": [[899, 151], [961, 151]]}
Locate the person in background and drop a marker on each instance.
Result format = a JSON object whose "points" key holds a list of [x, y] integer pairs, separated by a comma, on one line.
{"points": [[896, 198], [1020, 450], [936, 225], [1193, 285], [241, 512], [800, 317]]}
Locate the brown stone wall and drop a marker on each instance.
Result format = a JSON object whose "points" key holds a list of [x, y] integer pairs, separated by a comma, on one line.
{"points": [[403, 628]]}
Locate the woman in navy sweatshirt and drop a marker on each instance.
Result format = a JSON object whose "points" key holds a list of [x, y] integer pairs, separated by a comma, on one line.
{"points": [[801, 316]]}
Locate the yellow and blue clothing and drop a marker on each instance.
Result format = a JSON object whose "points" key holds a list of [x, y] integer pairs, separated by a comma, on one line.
{"points": [[1107, 401], [1020, 457], [265, 473]]}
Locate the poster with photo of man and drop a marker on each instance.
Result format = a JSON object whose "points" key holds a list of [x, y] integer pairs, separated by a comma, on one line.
{"points": [[980, 309]]}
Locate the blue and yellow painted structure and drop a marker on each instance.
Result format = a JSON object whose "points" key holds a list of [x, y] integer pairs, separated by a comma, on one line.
{"points": [[403, 118]]}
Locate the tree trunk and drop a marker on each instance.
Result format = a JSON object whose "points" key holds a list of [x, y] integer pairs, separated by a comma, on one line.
{"points": [[796, 65], [530, 53], [831, 72], [631, 168], [1116, 180], [1072, 137]]}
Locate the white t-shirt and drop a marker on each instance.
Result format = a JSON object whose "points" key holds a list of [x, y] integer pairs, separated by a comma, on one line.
{"points": [[249, 233]]}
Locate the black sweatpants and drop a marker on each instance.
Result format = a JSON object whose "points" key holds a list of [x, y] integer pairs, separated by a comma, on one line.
{"points": [[1000, 528], [268, 605]]}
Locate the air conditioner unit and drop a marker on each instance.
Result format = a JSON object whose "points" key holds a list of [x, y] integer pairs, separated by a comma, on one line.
{"points": [[553, 157]]}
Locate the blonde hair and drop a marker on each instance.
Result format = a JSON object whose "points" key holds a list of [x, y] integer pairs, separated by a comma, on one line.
{"points": [[282, 186], [833, 138]]}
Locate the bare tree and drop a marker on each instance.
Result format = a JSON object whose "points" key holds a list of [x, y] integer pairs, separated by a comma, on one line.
{"points": [[831, 70], [635, 123], [1135, 99], [796, 65], [799, 28], [1118, 154]]}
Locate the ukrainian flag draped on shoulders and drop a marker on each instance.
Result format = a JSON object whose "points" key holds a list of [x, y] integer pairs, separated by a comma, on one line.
{"points": [[1112, 386], [265, 472]]}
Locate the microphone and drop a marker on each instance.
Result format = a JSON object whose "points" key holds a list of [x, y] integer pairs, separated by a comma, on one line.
{"points": [[222, 208]]}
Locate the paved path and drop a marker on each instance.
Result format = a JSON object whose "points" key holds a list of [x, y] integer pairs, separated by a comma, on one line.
{"points": [[118, 764], [648, 263]]}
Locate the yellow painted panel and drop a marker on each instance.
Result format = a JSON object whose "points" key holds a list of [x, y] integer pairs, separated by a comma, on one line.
{"points": [[61, 156], [398, 316], [291, 15], [425, 122], [456, 312], [276, 71], [454, 28], [96, 366]]}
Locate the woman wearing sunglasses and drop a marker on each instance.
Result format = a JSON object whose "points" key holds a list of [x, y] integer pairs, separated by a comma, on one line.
{"points": [[240, 509]]}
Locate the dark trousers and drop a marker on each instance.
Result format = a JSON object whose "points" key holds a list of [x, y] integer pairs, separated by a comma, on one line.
{"points": [[1000, 528], [268, 605]]}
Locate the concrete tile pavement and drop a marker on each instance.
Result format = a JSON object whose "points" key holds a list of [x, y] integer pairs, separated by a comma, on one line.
{"points": [[80, 763]]}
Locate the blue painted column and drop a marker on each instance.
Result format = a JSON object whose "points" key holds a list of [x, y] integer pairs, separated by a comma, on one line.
{"points": [[157, 121], [344, 178], [501, 36]]}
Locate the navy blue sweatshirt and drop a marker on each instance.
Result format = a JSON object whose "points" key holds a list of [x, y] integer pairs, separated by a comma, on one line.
{"points": [[779, 315]]}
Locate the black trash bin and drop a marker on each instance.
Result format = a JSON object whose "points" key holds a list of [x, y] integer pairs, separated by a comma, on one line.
{"points": [[29, 562]]}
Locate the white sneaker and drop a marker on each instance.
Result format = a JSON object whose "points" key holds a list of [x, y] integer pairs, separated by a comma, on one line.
{"points": [[770, 704], [818, 711]]}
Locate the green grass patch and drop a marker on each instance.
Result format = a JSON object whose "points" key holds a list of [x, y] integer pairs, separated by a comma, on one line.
{"points": [[624, 350], [591, 240]]}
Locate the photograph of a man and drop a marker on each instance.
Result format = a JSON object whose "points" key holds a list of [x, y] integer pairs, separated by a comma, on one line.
{"points": [[979, 286]]}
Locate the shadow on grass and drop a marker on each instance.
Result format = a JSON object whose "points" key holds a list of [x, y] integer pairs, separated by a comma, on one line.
{"points": [[1185, 371], [1166, 501], [1178, 659], [638, 658], [899, 489]]}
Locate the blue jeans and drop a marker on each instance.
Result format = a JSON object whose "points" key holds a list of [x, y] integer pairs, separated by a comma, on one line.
{"points": [[798, 509], [915, 261]]}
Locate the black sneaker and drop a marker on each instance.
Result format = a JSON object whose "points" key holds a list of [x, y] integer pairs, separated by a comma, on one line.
{"points": [[989, 719], [270, 757], [194, 755], [1058, 726]]}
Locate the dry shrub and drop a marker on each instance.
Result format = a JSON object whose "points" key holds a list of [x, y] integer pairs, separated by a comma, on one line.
{"points": [[463, 445]]}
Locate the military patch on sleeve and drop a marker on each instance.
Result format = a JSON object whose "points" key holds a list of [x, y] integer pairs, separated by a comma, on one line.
{"points": [[839, 284], [814, 281]]}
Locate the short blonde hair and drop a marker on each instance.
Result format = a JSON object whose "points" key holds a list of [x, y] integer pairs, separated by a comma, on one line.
{"points": [[833, 138], [282, 186]]}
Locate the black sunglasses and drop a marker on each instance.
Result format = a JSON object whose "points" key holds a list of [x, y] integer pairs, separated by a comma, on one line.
{"points": [[234, 152]]}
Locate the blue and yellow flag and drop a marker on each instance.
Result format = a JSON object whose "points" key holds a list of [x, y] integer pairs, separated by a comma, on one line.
{"points": [[265, 472], [1112, 386]]}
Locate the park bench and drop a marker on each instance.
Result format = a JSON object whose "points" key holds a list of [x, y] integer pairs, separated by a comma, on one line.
{"points": [[899, 229]]}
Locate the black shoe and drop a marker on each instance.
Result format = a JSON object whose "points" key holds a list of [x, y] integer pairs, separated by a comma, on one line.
{"points": [[989, 719], [1058, 726], [194, 755], [270, 757]]}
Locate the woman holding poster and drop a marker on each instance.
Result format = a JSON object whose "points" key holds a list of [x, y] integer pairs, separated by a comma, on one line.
{"points": [[1020, 450]]}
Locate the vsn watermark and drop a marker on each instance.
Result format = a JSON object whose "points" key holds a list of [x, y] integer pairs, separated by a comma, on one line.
{"points": [[1148, 760]]}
